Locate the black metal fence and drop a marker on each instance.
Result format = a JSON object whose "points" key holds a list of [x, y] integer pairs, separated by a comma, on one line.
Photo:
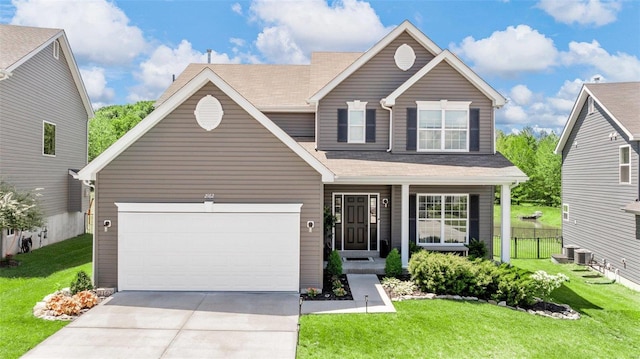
{"points": [[530, 248]]}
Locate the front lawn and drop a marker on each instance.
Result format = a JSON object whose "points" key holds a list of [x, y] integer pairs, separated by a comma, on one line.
{"points": [[450, 329], [41, 272]]}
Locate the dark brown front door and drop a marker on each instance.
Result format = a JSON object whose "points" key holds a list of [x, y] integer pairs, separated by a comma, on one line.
{"points": [[356, 222]]}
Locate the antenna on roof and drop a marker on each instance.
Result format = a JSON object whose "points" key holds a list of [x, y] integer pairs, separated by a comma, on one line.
{"points": [[208, 56]]}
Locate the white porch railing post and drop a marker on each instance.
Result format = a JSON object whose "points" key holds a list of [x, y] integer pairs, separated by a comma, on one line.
{"points": [[505, 233], [404, 228]]}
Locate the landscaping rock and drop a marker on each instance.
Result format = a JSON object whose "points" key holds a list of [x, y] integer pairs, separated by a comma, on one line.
{"points": [[502, 304]]}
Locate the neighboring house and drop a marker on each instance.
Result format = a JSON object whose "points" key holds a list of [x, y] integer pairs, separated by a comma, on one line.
{"points": [[44, 109], [223, 186], [600, 178]]}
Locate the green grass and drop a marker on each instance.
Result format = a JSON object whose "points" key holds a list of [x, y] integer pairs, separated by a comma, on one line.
{"points": [[41, 272], [449, 329], [551, 216]]}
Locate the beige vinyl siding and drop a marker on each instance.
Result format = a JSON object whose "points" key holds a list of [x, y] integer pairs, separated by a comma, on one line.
{"points": [[591, 188], [295, 124], [443, 83], [240, 162], [384, 213], [486, 208], [42, 89], [373, 81]]}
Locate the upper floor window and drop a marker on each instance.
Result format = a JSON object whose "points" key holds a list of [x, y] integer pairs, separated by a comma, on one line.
{"points": [[357, 124], [625, 165], [56, 49], [48, 138], [443, 125]]}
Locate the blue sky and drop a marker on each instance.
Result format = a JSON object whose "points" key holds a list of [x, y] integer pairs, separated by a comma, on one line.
{"points": [[536, 53]]}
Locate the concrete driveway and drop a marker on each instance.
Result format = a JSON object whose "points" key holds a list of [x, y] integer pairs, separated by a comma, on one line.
{"points": [[180, 325]]}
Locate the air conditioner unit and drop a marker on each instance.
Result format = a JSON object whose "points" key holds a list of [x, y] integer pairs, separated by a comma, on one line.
{"points": [[582, 256], [569, 251]]}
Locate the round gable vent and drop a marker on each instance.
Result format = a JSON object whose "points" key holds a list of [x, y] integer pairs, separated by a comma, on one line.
{"points": [[405, 57], [208, 112]]}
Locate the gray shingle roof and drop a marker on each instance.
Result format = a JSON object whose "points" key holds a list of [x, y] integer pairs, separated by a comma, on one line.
{"points": [[621, 99], [432, 168], [272, 85], [16, 42]]}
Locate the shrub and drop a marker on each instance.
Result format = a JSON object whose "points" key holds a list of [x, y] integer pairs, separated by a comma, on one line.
{"points": [[398, 287], [340, 292], [334, 265], [440, 273], [414, 248], [313, 292], [336, 283], [477, 249], [515, 287], [393, 264], [81, 283], [546, 283], [86, 299]]}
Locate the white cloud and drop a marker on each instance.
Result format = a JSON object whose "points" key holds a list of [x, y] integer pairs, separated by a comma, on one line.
{"points": [[583, 12], [237, 41], [295, 28], [98, 30], [237, 8], [618, 67], [506, 53], [156, 73], [513, 114], [521, 94], [96, 84]]}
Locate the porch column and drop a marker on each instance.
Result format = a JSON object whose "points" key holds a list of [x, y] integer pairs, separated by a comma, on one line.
{"points": [[404, 228], [505, 233]]}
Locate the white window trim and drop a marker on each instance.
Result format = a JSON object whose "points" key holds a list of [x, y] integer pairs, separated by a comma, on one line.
{"points": [[620, 164], [333, 211], [442, 195], [441, 106], [565, 214], [56, 135], [56, 50], [360, 107]]}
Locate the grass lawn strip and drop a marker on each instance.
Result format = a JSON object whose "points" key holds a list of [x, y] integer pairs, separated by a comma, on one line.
{"points": [[453, 329], [551, 216], [41, 272]]}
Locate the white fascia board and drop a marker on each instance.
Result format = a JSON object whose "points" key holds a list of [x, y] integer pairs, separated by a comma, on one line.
{"points": [[497, 99], [407, 26], [444, 181], [575, 112], [73, 67], [205, 76], [204, 207], [288, 109]]}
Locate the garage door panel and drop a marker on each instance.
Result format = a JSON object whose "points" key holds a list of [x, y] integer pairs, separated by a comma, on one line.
{"points": [[209, 251]]}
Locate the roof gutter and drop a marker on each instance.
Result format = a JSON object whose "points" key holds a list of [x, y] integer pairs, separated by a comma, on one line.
{"points": [[382, 103], [4, 74]]}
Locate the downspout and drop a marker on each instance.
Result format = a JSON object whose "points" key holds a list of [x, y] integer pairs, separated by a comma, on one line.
{"points": [[382, 101]]}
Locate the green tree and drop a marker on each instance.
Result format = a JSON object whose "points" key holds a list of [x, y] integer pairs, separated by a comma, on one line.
{"points": [[112, 122]]}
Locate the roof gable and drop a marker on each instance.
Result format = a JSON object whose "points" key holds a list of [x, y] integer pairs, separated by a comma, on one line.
{"points": [[620, 101], [205, 76], [448, 57], [369, 54], [21, 43]]}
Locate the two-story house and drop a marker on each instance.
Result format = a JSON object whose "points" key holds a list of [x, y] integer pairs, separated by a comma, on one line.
{"points": [[44, 111], [600, 178], [224, 185]]}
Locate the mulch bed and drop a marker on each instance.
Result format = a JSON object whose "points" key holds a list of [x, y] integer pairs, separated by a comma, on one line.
{"points": [[5, 263], [327, 290]]}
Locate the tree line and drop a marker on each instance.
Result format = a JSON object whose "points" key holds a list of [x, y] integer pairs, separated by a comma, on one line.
{"points": [[533, 153]]}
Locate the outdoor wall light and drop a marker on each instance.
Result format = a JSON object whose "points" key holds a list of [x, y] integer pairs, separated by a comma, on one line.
{"points": [[310, 225], [106, 224], [385, 202]]}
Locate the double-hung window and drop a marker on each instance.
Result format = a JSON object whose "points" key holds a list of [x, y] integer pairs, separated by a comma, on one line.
{"points": [[443, 125], [442, 219], [357, 122], [625, 165], [565, 212]]}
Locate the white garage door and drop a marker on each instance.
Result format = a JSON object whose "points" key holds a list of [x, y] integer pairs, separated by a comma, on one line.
{"points": [[208, 247]]}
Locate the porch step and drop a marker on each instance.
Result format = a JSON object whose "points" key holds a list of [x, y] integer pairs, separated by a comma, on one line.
{"points": [[374, 266], [357, 254]]}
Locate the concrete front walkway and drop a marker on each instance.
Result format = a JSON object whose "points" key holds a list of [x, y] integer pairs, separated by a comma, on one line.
{"points": [[368, 297], [180, 325]]}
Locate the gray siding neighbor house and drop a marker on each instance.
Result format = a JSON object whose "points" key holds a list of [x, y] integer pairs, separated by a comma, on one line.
{"points": [[42, 96], [600, 178], [237, 165]]}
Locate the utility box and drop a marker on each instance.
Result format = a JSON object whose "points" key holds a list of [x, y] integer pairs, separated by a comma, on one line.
{"points": [[582, 256], [569, 250]]}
